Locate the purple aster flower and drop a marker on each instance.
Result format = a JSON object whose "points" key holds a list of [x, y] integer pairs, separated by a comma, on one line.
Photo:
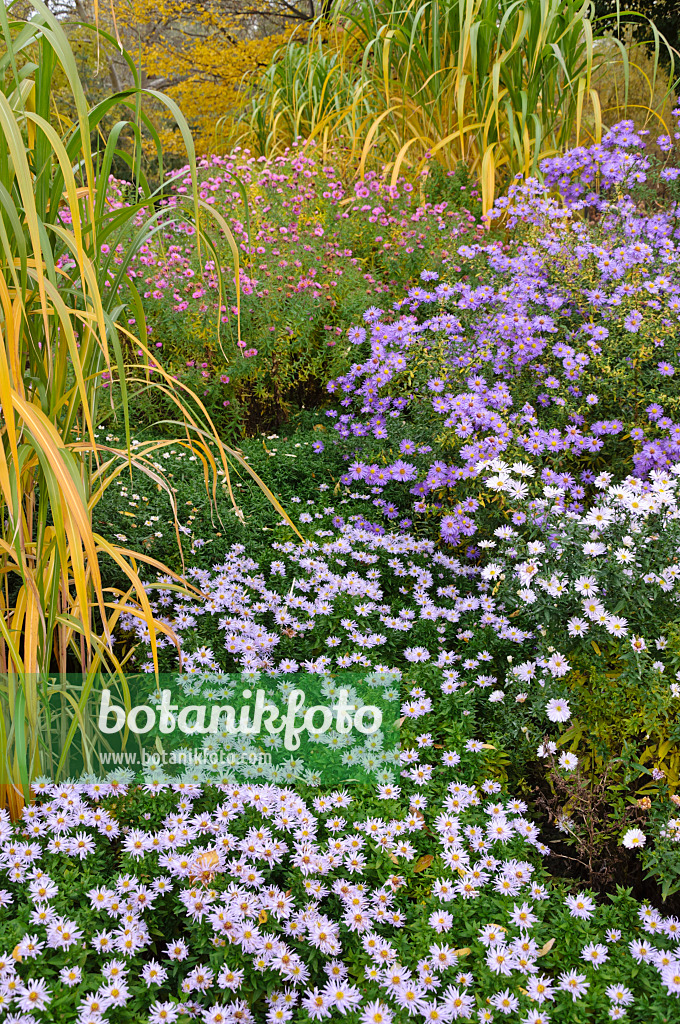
{"points": [[403, 471], [357, 471], [632, 321], [450, 529], [407, 447]]}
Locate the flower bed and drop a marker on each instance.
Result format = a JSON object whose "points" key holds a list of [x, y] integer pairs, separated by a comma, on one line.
{"points": [[564, 354], [258, 902], [500, 477]]}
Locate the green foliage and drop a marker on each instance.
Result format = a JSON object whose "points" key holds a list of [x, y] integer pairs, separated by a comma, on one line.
{"points": [[66, 246], [136, 512]]}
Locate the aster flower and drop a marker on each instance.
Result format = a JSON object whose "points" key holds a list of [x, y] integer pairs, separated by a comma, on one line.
{"points": [[568, 761], [573, 983], [580, 906], [70, 976], [163, 1012], [34, 995], [558, 710], [634, 839]]}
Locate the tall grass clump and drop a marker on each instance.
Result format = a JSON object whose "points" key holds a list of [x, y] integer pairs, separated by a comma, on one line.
{"points": [[308, 91], [71, 324], [497, 84], [631, 83]]}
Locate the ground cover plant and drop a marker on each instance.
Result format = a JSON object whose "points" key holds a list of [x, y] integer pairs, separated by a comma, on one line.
{"points": [[262, 902], [546, 628]]}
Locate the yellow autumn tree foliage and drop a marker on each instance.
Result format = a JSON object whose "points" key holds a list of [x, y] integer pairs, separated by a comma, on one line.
{"points": [[202, 58]]}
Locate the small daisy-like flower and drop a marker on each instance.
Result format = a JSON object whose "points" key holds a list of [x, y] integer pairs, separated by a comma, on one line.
{"points": [[34, 995], [581, 906], [634, 839], [573, 983], [595, 953], [70, 976], [558, 710]]}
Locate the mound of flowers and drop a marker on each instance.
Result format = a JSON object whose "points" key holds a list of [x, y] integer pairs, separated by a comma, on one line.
{"points": [[558, 346], [534, 640], [255, 903], [314, 251]]}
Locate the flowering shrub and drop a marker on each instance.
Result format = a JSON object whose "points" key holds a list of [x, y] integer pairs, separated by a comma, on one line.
{"points": [[314, 252], [585, 291]]}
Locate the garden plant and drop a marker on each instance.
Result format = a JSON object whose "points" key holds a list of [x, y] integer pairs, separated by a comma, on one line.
{"points": [[400, 441]]}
